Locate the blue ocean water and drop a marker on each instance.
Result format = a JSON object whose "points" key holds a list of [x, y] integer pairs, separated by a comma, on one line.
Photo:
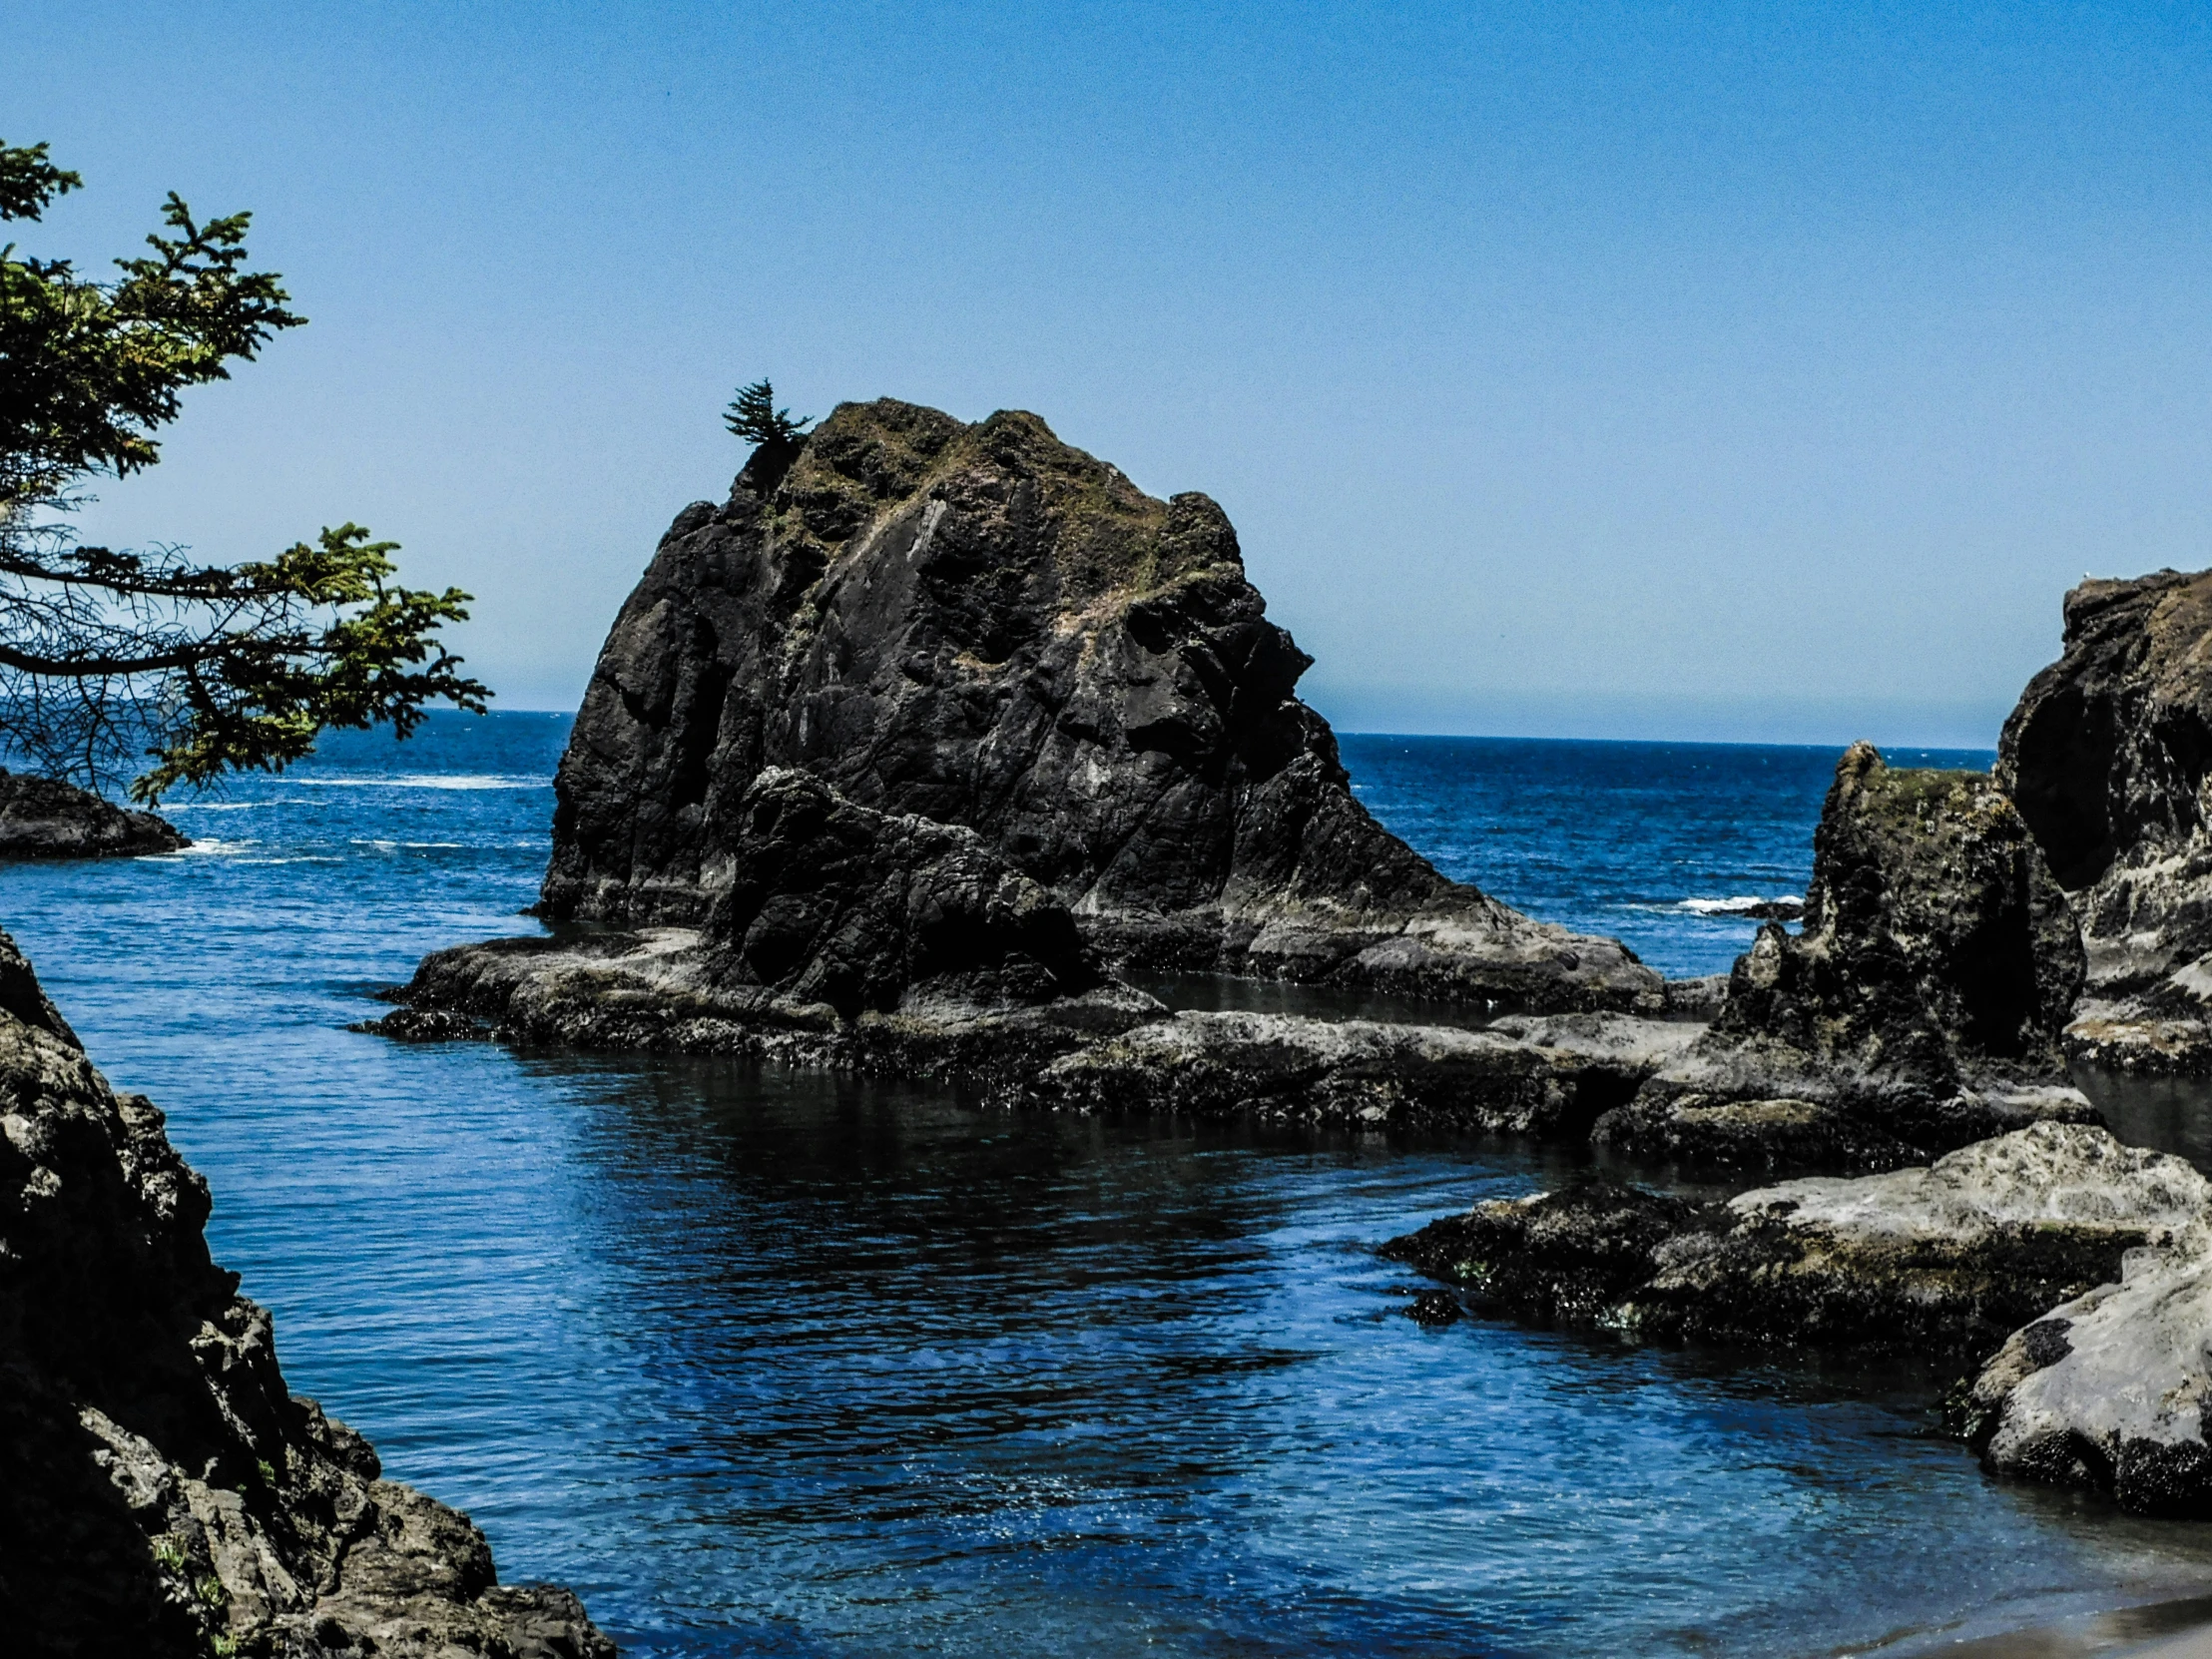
{"points": [[773, 1361]]}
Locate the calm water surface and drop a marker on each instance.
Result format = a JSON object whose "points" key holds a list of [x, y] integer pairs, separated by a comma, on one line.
{"points": [[765, 1361]]}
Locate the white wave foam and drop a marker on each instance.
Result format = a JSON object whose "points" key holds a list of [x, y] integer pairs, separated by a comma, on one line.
{"points": [[431, 781]]}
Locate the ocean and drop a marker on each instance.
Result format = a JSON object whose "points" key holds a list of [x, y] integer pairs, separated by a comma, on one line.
{"points": [[762, 1361]]}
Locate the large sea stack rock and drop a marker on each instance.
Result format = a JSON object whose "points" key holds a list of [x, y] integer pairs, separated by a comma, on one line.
{"points": [[161, 1493], [2109, 757], [983, 626], [44, 818], [1921, 1007]]}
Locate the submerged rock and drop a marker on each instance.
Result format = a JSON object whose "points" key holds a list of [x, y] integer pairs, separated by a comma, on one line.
{"points": [[1920, 1008], [981, 626], [162, 1492], [1950, 1256], [44, 818], [2107, 757]]}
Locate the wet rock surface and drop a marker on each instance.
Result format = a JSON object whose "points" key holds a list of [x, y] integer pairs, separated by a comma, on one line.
{"points": [[983, 627], [44, 818], [1919, 1009], [1949, 1256], [161, 1493]]}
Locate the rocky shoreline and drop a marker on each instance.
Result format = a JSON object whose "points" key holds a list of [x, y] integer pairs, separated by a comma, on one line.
{"points": [[162, 1492], [920, 752]]}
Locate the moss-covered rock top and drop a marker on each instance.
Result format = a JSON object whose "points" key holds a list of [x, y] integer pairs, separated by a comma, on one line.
{"points": [[870, 462]]}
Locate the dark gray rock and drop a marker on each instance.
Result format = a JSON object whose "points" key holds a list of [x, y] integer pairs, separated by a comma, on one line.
{"points": [[1947, 1258], [2107, 755], [1919, 1009], [161, 1493], [44, 818], [981, 626]]}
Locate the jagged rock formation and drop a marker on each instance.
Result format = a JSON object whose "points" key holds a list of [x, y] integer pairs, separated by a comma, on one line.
{"points": [[44, 818], [2107, 1390], [1919, 1009], [2107, 757], [161, 1493], [981, 626], [1947, 1258], [892, 942]]}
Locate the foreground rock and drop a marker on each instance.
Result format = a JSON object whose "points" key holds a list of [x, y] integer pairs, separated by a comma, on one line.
{"points": [[1920, 1008], [161, 1493], [2107, 755], [44, 818], [1951, 1257], [981, 626], [2107, 1390]]}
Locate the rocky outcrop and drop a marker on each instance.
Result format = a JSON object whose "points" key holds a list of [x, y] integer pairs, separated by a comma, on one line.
{"points": [[884, 941], [2107, 757], [44, 818], [2108, 1391], [161, 1493], [1949, 1256], [1287, 1067], [1919, 1009], [981, 626]]}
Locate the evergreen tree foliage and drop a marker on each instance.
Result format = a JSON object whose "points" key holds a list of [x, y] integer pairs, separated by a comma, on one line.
{"points": [[110, 658], [754, 417]]}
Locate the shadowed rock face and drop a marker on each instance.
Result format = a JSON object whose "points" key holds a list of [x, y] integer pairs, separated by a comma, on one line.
{"points": [[2107, 757], [981, 626], [838, 905], [161, 1493], [1921, 1007], [44, 818], [1934, 934]]}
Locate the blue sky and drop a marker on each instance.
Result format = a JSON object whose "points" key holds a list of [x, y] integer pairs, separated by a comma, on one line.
{"points": [[1730, 372]]}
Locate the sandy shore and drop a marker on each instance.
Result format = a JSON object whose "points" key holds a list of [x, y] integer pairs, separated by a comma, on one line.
{"points": [[2156, 1630]]}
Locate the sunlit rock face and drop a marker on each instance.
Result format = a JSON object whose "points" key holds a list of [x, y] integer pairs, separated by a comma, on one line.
{"points": [[161, 1493], [983, 626], [1945, 1258], [2109, 757]]}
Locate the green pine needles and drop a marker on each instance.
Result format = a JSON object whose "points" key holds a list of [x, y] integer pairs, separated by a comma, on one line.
{"points": [[755, 419], [110, 658]]}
